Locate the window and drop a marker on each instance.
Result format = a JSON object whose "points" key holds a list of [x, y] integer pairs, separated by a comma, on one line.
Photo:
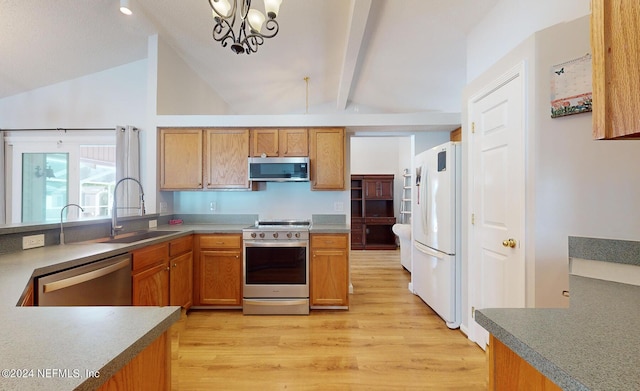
{"points": [[57, 169]]}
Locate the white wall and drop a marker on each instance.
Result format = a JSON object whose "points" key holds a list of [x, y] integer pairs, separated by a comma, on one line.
{"points": [[583, 187], [509, 23], [575, 186], [116, 96], [181, 90]]}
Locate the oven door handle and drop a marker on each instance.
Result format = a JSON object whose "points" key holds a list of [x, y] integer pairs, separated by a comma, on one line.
{"points": [[275, 243], [277, 302]]}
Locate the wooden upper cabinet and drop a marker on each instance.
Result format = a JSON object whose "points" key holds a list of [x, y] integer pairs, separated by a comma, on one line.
{"points": [[279, 142], [293, 142], [327, 157], [180, 159], [615, 46], [264, 141], [225, 154]]}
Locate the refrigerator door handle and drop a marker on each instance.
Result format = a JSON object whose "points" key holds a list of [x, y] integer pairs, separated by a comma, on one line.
{"points": [[429, 251], [425, 200]]}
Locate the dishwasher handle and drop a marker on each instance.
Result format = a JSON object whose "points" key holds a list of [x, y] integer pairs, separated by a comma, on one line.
{"points": [[84, 277]]}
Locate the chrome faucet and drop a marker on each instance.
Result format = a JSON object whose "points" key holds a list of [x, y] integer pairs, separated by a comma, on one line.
{"points": [[62, 214], [114, 211]]}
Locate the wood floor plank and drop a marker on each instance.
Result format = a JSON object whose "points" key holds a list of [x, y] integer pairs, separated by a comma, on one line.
{"points": [[388, 340]]}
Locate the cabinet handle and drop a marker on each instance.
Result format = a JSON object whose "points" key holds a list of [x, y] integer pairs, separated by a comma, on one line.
{"points": [[237, 256], [175, 265], [168, 268]]}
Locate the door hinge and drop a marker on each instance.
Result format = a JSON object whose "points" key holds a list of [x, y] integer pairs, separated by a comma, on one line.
{"points": [[473, 218], [473, 312], [473, 127]]}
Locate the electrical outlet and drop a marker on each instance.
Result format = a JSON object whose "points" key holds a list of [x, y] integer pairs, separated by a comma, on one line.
{"points": [[338, 206], [153, 223], [212, 206], [32, 241], [163, 207]]}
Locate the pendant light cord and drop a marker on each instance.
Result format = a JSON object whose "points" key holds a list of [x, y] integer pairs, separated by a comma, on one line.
{"points": [[306, 80]]}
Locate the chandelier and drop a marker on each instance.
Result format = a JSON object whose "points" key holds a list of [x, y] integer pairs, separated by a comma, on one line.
{"points": [[248, 36]]}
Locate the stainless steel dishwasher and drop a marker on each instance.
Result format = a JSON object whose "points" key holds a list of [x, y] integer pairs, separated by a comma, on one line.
{"points": [[104, 282]]}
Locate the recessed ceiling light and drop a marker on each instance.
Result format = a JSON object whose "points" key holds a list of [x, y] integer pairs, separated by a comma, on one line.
{"points": [[125, 7]]}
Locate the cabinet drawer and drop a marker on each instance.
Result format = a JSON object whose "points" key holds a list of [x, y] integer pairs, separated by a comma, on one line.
{"points": [[329, 241], [180, 246], [380, 220], [221, 241], [149, 256]]}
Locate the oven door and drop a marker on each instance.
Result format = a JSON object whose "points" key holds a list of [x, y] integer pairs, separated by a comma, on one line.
{"points": [[276, 269]]}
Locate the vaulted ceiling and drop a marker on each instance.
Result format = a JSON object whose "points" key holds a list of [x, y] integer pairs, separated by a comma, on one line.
{"points": [[373, 56]]}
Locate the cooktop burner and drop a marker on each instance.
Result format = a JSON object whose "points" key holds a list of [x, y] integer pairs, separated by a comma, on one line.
{"points": [[278, 230], [285, 224]]}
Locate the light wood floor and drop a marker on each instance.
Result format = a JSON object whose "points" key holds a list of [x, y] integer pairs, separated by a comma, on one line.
{"points": [[388, 340]]}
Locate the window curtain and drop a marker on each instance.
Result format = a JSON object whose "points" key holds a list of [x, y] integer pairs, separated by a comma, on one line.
{"points": [[3, 187], [128, 166]]}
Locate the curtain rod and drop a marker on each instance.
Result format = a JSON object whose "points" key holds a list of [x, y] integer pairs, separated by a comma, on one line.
{"points": [[58, 129]]}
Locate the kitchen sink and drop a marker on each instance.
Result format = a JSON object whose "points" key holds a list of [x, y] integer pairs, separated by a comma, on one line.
{"points": [[132, 237]]}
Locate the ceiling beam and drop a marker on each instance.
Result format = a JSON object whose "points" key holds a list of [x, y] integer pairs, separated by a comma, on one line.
{"points": [[355, 36]]}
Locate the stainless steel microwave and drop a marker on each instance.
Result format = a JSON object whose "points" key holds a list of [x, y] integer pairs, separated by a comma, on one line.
{"points": [[279, 169]]}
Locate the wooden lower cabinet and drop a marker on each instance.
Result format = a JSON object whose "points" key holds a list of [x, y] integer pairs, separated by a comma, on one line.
{"points": [[149, 370], [329, 271], [508, 371], [218, 270], [181, 272], [150, 275]]}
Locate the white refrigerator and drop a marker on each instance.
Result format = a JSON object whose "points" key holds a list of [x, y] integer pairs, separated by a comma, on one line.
{"points": [[436, 275]]}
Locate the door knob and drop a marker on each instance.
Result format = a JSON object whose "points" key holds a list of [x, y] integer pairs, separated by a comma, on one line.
{"points": [[509, 243]]}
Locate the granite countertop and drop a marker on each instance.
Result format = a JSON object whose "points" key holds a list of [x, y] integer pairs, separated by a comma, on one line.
{"points": [[592, 345], [80, 339]]}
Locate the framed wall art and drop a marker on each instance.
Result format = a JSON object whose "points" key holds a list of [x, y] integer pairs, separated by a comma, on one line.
{"points": [[571, 87]]}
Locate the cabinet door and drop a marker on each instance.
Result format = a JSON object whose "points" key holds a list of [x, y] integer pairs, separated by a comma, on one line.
{"points": [[151, 286], [293, 142], [220, 277], [326, 155], [264, 141], [329, 272], [329, 277], [379, 189], [615, 46], [181, 280], [226, 156], [180, 159]]}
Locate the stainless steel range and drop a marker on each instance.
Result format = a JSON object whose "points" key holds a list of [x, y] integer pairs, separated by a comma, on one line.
{"points": [[276, 268]]}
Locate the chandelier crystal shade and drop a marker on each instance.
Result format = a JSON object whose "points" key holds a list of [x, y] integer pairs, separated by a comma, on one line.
{"points": [[248, 35]]}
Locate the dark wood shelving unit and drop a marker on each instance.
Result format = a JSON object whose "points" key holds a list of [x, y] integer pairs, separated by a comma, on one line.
{"points": [[372, 214]]}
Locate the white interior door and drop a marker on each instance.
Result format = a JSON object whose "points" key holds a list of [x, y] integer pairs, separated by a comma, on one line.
{"points": [[496, 248]]}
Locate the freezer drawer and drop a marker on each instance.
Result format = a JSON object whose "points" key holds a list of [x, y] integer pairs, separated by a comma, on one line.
{"points": [[437, 282]]}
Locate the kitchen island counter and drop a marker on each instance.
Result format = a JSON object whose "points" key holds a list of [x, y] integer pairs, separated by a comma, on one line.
{"points": [[592, 345]]}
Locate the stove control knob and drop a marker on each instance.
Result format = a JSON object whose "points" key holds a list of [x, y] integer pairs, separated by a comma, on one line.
{"points": [[253, 234], [262, 234], [289, 235], [275, 235], [297, 234]]}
